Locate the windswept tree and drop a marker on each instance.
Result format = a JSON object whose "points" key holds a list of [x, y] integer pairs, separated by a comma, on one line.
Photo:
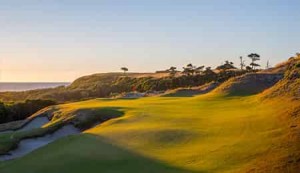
{"points": [[186, 71], [199, 70], [124, 69], [226, 66], [189, 70], [208, 71], [254, 65], [254, 57], [248, 68], [172, 71]]}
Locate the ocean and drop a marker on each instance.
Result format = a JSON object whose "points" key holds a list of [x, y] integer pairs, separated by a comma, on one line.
{"points": [[25, 86]]}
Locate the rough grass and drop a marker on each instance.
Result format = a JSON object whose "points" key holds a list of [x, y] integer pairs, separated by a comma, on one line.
{"points": [[289, 86], [208, 133], [248, 84]]}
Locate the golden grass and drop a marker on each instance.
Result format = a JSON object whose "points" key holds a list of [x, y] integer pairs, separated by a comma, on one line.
{"points": [[208, 133]]}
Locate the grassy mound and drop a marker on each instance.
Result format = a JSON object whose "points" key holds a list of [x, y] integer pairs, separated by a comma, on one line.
{"points": [[192, 91], [283, 66], [207, 133], [248, 84], [289, 86]]}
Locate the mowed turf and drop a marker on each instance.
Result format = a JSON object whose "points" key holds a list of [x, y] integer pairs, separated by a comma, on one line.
{"points": [[208, 133]]}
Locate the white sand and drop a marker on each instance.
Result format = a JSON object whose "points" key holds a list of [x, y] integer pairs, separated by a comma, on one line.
{"points": [[35, 123], [28, 145], [133, 95]]}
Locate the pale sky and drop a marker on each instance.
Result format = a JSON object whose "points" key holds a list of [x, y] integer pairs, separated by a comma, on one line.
{"points": [[61, 40]]}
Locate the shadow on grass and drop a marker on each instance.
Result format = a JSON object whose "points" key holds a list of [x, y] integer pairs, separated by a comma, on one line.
{"points": [[89, 117], [184, 93], [242, 93], [86, 153], [114, 99], [193, 91]]}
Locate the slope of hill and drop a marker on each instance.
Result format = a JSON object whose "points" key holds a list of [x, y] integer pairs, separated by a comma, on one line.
{"points": [[94, 79], [286, 154], [249, 84], [254, 83], [111, 84], [283, 66], [289, 86], [96, 85]]}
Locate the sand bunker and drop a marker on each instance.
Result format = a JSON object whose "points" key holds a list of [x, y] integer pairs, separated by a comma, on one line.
{"points": [[35, 123], [28, 145], [132, 95]]}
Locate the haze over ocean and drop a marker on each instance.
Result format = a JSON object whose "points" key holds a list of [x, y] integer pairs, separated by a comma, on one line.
{"points": [[24, 86]]}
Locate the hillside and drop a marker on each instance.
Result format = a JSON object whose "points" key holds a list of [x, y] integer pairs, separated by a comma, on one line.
{"points": [[249, 84], [82, 88], [250, 123], [289, 86], [256, 130], [94, 79], [284, 75], [112, 84]]}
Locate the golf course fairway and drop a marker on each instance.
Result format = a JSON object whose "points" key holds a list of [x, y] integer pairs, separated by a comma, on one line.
{"points": [[206, 133]]}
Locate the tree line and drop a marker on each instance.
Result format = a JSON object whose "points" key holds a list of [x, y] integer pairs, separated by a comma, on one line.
{"points": [[190, 69]]}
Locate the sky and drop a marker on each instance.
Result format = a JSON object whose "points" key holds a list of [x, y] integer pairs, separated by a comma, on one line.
{"points": [[61, 40]]}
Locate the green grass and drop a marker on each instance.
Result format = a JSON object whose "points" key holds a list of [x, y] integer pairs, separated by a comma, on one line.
{"points": [[86, 153], [10, 140], [208, 133], [82, 118]]}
